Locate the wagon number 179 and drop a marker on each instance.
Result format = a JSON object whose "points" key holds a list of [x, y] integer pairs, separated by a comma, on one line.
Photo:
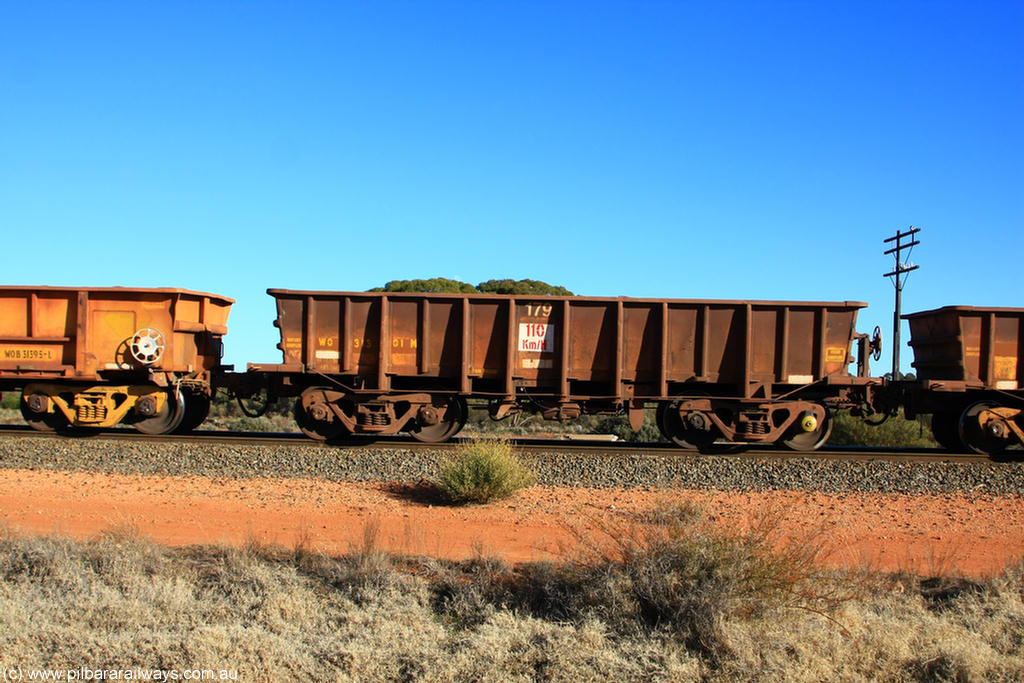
{"points": [[538, 310]]}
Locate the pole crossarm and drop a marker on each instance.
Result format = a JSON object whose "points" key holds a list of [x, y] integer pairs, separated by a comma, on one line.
{"points": [[901, 269]]}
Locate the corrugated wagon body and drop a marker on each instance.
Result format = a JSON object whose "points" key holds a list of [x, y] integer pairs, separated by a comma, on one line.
{"points": [[970, 373], [376, 362], [95, 357]]}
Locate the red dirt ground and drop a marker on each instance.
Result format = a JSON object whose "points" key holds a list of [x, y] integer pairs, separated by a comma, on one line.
{"points": [[926, 534]]}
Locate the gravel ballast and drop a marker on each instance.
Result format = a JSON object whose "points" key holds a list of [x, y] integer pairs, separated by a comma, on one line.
{"points": [[614, 469]]}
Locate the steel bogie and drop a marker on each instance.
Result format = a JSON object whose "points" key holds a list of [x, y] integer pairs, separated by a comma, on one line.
{"points": [[325, 413], [149, 408], [697, 423]]}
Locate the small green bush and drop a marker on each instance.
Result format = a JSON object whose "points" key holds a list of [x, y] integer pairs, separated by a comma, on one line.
{"points": [[896, 432], [482, 470]]}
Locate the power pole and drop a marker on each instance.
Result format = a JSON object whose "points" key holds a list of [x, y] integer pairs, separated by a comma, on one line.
{"points": [[899, 278]]}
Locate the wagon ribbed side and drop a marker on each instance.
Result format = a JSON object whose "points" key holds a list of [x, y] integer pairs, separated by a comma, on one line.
{"points": [[396, 361]]}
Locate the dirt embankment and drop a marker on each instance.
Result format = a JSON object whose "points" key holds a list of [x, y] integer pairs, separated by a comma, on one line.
{"points": [[920, 533]]}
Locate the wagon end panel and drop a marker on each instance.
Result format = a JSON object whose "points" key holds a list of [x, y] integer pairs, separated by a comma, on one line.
{"points": [[200, 323], [979, 346], [171, 331], [83, 333], [837, 339], [1007, 362], [291, 316]]}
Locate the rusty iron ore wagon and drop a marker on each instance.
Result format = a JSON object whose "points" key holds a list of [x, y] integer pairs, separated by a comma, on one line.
{"points": [[970, 375], [97, 357], [740, 371]]}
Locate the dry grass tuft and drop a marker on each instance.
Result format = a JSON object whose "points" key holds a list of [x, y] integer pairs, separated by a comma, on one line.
{"points": [[673, 570], [660, 598]]}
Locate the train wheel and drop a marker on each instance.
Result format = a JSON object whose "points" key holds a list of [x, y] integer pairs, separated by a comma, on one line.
{"points": [[673, 429], [317, 429], [977, 438], [167, 419], [42, 422], [811, 440], [197, 408], [450, 419], [946, 430]]}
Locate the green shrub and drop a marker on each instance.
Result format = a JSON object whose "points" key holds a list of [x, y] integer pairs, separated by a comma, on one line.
{"points": [[620, 427], [896, 432], [482, 470]]}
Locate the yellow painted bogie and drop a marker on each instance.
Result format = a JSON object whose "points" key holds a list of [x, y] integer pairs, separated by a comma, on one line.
{"points": [[96, 405]]}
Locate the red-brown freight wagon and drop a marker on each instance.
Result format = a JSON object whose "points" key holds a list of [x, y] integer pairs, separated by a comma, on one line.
{"points": [[970, 375], [97, 357], [741, 371]]}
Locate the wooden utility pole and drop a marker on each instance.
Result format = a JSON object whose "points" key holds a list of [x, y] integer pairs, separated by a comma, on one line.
{"points": [[899, 278]]}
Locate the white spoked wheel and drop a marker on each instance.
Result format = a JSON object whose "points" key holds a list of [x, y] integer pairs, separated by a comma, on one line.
{"points": [[147, 345]]}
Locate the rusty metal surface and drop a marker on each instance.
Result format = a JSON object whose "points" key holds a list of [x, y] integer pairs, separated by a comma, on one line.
{"points": [[563, 347], [96, 357], [82, 333], [751, 371], [966, 347]]}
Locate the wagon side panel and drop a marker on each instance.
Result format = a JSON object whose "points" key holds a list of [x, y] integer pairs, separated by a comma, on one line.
{"points": [[642, 342], [489, 346], [685, 353], [38, 332], [593, 347]]}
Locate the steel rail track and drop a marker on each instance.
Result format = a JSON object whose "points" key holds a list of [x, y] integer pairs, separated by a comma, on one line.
{"points": [[534, 445]]}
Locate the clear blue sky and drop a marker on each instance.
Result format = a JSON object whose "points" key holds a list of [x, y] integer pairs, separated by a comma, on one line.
{"points": [[752, 150]]}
